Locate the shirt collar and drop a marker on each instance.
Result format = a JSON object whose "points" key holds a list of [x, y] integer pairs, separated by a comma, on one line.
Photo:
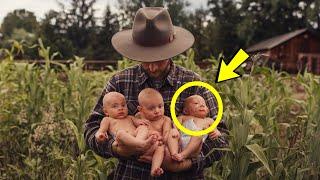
{"points": [[171, 75], [143, 76]]}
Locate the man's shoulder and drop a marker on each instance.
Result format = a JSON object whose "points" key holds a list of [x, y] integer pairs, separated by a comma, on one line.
{"points": [[186, 75], [127, 74]]}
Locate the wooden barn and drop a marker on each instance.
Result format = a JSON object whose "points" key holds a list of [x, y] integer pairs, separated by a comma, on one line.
{"points": [[292, 52]]}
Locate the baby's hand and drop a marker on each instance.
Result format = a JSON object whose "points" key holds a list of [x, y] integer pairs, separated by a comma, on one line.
{"points": [[175, 133], [137, 122], [100, 137], [158, 135], [214, 134]]}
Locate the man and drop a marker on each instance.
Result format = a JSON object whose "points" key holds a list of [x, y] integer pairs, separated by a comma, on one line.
{"points": [[153, 40]]}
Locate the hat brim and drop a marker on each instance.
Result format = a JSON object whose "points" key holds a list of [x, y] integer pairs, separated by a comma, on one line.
{"points": [[124, 44]]}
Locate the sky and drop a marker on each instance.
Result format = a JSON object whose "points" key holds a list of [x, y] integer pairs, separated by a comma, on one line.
{"points": [[40, 7]]}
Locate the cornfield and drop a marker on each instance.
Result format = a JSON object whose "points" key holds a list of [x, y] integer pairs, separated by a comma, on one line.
{"points": [[272, 118]]}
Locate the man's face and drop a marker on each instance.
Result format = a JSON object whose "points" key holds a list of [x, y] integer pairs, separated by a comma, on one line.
{"points": [[156, 69]]}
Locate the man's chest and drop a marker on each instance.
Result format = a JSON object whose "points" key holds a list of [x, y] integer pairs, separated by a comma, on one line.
{"points": [[132, 89]]}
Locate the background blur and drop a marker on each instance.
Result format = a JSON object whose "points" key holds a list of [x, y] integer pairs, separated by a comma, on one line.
{"points": [[273, 117], [85, 27]]}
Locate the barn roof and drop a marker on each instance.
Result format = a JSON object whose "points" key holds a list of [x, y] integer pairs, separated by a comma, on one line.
{"points": [[275, 41]]}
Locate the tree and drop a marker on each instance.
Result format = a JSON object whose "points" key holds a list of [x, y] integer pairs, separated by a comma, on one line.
{"points": [[197, 25], [19, 19], [102, 45], [265, 19], [81, 25], [176, 9], [222, 29], [53, 32], [20, 25], [313, 14]]}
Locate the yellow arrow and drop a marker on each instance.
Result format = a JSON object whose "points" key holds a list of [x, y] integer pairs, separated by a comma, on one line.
{"points": [[226, 72]]}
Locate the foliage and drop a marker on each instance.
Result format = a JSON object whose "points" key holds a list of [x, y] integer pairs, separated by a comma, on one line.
{"points": [[19, 19], [272, 134], [176, 8]]}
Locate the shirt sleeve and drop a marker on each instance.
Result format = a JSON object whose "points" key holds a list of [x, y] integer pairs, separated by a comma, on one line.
{"points": [[209, 155], [93, 123]]}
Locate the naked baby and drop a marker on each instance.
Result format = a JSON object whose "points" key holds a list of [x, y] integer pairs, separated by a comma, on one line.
{"points": [[151, 107], [129, 139], [195, 112]]}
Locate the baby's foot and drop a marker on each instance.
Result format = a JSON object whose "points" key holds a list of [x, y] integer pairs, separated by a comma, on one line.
{"points": [[178, 157], [156, 171], [146, 144]]}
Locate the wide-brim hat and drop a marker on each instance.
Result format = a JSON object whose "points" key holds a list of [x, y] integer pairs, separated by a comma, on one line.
{"points": [[153, 37]]}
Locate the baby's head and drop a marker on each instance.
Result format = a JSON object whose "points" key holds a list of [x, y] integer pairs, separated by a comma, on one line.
{"points": [[195, 106], [115, 106], [151, 104]]}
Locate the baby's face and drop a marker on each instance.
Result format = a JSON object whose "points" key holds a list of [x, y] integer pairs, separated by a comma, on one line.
{"points": [[152, 108], [197, 107], [116, 107]]}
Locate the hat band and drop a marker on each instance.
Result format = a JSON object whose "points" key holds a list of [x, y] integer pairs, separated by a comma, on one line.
{"points": [[149, 39]]}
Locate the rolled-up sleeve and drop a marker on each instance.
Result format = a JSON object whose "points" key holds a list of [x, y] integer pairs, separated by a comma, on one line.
{"points": [[93, 123]]}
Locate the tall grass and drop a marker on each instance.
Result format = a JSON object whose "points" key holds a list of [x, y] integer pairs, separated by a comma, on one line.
{"points": [[272, 135]]}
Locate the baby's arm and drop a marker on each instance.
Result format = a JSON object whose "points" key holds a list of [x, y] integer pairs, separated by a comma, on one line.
{"points": [[139, 120], [214, 134], [166, 128], [142, 129], [101, 134]]}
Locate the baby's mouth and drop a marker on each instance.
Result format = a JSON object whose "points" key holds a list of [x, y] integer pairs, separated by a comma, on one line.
{"points": [[157, 117]]}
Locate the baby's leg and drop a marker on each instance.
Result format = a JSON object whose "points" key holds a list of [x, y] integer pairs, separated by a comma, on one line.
{"points": [[169, 164], [191, 149], [157, 159], [142, 132], [133, 143], [173, 143]]}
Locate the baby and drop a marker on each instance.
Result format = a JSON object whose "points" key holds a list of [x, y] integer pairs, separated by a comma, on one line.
{"points": [[129, 139], [195, 118], [151, 107]]}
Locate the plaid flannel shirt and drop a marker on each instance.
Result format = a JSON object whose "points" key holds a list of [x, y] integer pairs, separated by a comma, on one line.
{"points": [[130, 82]]}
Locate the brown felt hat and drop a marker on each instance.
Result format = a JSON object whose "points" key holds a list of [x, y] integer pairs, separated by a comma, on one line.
{"points": [[152, 37]]}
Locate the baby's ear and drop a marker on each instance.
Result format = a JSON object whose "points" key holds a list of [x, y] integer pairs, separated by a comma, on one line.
{"points": [[105, 112], [185, 111], [139, 108]]}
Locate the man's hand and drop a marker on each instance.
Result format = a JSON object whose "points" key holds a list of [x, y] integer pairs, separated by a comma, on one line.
{"points": [[214, 134]]}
